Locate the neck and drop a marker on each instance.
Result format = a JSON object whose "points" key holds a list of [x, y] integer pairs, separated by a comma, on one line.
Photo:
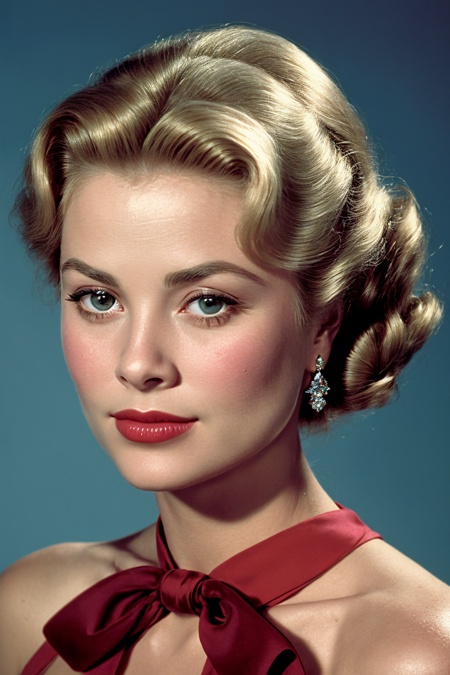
{"points": [[208, 523]]}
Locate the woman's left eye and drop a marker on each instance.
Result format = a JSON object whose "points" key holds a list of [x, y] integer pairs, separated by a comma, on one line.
{"points": [[210, 306]]}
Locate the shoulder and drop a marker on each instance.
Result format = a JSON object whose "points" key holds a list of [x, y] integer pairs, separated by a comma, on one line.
{"points": [[36, 587], [402, 623], [375, 613], [33, 589]]}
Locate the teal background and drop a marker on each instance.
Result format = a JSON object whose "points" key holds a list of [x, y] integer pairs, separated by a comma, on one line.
{"points": [[391, 466]]}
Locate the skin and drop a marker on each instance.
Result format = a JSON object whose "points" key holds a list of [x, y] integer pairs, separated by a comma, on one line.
{"points": [[238, 476]]}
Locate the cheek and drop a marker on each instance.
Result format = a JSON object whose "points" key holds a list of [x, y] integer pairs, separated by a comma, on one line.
{"points": [[87, 360], [252, 367]]}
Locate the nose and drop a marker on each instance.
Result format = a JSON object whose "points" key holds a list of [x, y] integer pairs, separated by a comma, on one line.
{"points": [[146, 359]]}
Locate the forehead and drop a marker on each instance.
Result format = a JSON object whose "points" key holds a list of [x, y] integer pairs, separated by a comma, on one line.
{"points": [[171, 213]]}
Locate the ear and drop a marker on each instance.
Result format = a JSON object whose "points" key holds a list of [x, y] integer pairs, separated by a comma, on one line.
{"points": [[323, 340]]}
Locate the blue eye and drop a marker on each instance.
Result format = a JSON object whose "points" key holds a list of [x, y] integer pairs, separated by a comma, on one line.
{"points": [[99, 300], [94, 302], [207, 304]]}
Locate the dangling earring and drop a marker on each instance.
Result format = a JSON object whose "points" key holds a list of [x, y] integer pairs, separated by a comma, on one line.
{"points": [[318, 388]]}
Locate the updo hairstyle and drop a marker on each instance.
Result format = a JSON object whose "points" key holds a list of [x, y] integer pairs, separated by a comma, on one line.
{"points": [[250, 107]]}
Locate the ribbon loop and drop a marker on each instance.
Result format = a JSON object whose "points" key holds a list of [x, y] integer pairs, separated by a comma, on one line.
{"points": [[180, 591], [101, 621], [240, 640]]}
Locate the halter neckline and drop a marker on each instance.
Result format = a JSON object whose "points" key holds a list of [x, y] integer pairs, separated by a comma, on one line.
{"points": [[97, 631]]}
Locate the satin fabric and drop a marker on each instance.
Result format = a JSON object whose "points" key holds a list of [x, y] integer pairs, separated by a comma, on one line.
{"points": [[97, 631]]}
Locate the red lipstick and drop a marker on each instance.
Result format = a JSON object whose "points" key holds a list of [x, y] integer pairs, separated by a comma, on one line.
{"points": [[152, 426]]}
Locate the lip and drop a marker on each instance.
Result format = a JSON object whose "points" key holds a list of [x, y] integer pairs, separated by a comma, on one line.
{"points": [[152, 426], [150, 416]]}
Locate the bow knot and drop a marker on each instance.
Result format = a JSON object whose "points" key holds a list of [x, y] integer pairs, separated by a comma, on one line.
{"points": [[180, 591]]}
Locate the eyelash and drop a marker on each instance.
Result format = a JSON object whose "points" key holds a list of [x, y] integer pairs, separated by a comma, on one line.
{"points": [[209, 321]]}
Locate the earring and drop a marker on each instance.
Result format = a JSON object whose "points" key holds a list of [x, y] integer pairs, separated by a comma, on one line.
{"points": [[318, 388]]}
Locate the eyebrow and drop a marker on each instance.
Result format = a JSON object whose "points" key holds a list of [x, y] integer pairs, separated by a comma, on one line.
{"points": [[88, 271], [192, 274], [171, 280]]}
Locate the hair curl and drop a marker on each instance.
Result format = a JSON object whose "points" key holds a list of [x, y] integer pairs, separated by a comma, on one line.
{"points": [[251, 107]]}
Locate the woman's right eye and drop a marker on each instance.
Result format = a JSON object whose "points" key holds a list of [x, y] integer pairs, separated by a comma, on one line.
{"points": [[96, 303]]}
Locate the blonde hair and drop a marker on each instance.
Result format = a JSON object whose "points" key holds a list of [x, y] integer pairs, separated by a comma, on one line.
{"points": [[251, 107]]}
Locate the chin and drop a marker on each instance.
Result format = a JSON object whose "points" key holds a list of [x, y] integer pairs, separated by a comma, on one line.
{"points": [[159, 467], [156, 476]]}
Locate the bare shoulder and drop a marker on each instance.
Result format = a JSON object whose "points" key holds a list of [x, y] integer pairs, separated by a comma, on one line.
{"points": [[34, 588], [403, 620], [376, 612]]}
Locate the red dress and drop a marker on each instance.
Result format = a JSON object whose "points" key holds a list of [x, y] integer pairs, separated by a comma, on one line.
{"points": [[97, 630]]}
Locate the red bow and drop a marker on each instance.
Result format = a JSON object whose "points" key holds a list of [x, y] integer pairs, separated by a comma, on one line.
{"points": [[93, 631], [98, 629]]}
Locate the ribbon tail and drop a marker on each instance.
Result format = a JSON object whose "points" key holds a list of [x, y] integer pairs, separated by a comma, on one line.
{"points": [[239, 640]]}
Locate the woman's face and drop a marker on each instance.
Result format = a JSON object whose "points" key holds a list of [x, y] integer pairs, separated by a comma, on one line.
{"points": [[161, 311]]}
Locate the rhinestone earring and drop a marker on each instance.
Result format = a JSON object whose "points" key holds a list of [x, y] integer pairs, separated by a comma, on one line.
{"points": [[318, 387]]}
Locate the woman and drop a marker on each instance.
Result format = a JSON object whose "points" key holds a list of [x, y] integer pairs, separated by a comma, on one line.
{"points": [[229, 266]]}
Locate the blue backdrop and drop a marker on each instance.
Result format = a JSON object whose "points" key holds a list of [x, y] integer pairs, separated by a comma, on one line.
{"points": [[391, 466]]}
